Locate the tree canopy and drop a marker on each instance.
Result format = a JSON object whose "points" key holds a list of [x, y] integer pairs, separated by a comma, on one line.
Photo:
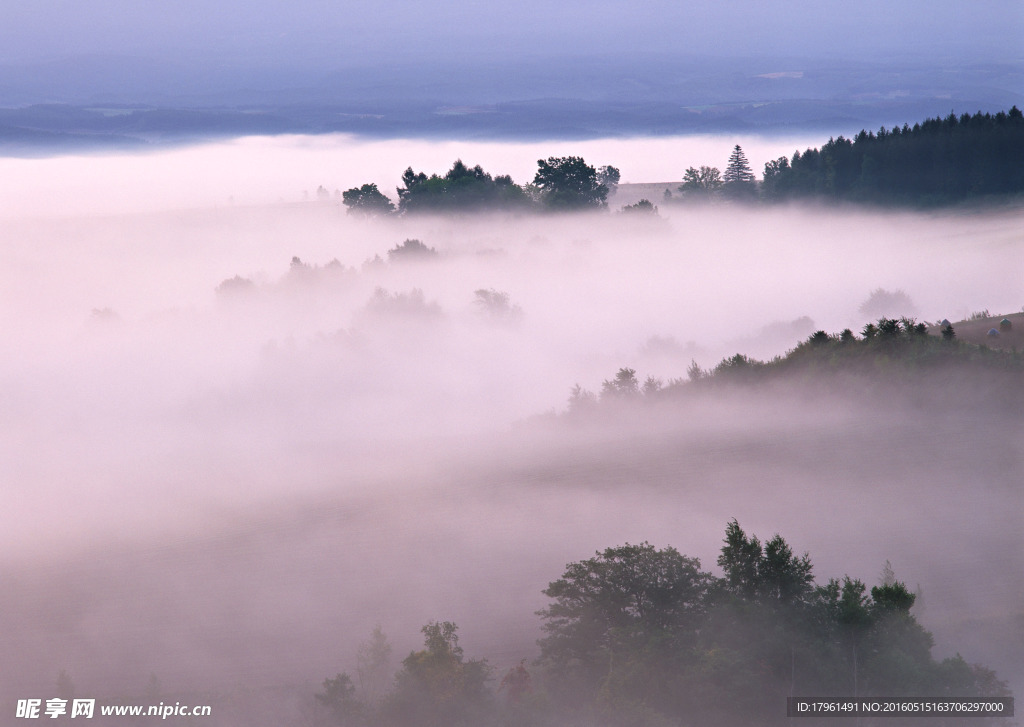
{"points": [[367, 201], [639, 635], [462, 188], [568, 183], [647, 636], [938, 161], [701, 184]]}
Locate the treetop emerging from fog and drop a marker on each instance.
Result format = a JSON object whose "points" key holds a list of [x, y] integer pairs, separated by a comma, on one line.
{"points": [[939, 161], [566, 183], [569, 183]]}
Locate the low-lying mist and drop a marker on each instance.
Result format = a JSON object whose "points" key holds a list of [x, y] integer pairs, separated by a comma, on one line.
{"points": [[235, 438]]}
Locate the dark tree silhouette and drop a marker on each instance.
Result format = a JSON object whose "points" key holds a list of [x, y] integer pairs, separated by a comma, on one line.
{"points": [[367, 201], [738, 180], [569, 183]]}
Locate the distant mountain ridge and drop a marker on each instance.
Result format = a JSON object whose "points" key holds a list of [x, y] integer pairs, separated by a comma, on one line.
{"points": [[110, 100]]}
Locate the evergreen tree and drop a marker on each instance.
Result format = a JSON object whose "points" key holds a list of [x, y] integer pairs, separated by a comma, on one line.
{"points": [[739, 182]]}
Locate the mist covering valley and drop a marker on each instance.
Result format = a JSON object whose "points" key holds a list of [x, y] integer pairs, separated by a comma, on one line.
{"points": [[237, 436]]}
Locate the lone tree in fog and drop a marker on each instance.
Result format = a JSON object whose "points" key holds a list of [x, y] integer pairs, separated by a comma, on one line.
{"points": [[569, 183], [738, 180], [882, 302], [367, 201], [411, 249], [643, 208], [497, 305], [701, 184]]}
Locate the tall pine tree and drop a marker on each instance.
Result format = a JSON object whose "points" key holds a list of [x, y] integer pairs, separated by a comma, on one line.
{"points": [[738, 178]]}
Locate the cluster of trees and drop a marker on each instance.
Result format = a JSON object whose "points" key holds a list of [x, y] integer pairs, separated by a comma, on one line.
{"points": [[638, 635], [708, 183], [561, 183], [897, 348], [938, 161]]}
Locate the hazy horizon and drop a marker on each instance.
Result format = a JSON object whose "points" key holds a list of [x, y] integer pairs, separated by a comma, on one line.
{"points": [[119, 74]]}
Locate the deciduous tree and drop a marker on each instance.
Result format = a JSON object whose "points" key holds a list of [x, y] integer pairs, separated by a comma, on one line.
{"points": [[367, 201], [569, 183], [701, 184]]}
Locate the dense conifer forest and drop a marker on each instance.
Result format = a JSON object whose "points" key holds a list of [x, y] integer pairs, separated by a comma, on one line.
{"points": [[938, 161]]}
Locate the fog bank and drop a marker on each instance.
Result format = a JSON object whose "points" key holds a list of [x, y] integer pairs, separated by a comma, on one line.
{"points": [[231, 483]]}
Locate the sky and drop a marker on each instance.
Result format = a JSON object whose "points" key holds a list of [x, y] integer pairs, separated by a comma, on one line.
{"points": [[328, 32]]}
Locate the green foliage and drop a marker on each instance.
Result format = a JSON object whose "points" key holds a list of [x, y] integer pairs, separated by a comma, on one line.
{"points": [[776, 183], [819, 338], [940, 161], [367, 201], [892, 598], [569, 183], [608, 176], [738, 182], [766, 574], [638, 635], [437, 686], [461, 189], [621, 621], [643, 207], [890, 350]]}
